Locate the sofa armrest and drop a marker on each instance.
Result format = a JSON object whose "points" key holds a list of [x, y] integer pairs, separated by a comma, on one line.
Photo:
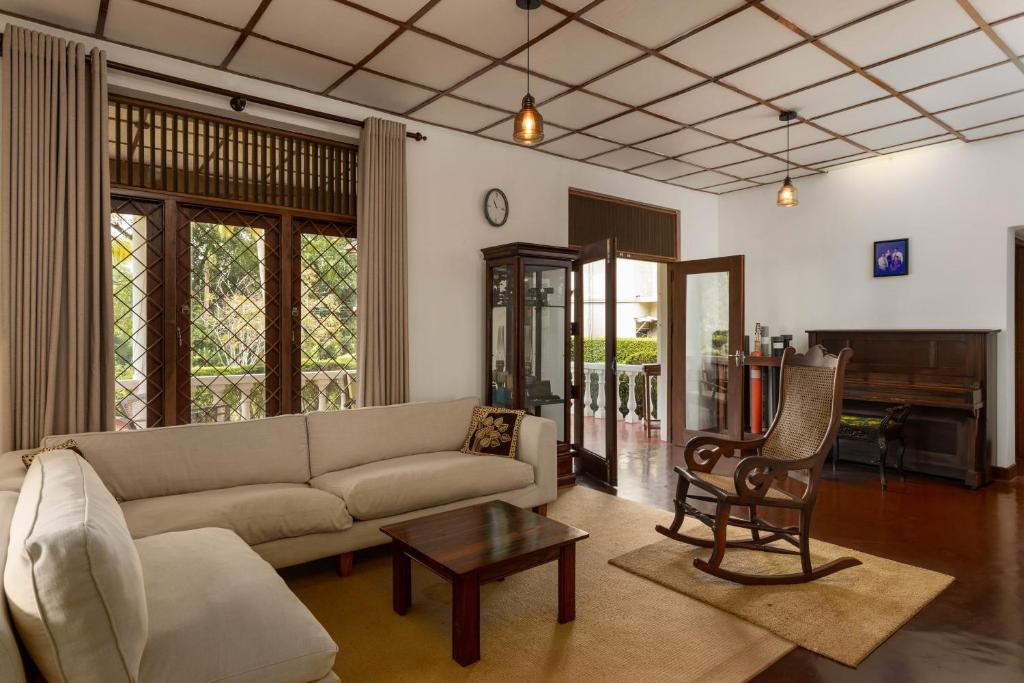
{"points": [[538, 447], [12, 470]]}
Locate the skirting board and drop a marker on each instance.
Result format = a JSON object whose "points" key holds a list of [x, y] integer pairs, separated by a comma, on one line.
{"points": [[1004, 473]]}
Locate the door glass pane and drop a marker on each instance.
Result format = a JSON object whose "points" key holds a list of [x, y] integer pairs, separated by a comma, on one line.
{"points": [[502, 376], [544, 351], [327, 322], [599, 401], [707, 351], [228, 321]]}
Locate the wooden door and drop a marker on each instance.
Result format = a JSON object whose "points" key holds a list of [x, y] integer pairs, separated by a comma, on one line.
{"points": [[595, 437], [706, 348]]}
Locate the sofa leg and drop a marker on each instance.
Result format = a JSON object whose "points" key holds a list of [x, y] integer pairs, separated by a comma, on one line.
{"points": [[345, 564], [541, 510]]}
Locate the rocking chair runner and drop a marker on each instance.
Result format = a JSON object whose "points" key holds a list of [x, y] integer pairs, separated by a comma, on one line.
{"points": [[798, 440]]}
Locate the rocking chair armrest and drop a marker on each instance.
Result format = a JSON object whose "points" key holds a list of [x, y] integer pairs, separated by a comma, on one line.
{"points": [[755, 475], [702, 452]]}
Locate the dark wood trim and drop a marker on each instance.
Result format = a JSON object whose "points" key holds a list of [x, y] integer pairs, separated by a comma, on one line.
{"points": [[101, 18], [1018, 356], [246, 32], [1008, 473]]}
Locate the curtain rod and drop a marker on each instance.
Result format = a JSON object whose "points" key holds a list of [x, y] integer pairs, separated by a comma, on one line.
{"points": [[234, 95]]}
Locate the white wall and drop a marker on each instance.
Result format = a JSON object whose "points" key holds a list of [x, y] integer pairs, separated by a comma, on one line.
{"points": [[447, 178], [811, 266]]}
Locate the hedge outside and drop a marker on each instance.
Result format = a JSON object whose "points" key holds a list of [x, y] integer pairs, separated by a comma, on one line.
{"points": [[628, 350]]}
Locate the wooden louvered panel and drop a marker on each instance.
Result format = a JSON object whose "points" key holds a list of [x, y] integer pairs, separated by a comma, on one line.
{"points": [[640, 230]]}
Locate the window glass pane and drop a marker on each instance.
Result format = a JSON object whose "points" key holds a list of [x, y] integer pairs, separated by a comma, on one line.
{"points": [[707, 351]]}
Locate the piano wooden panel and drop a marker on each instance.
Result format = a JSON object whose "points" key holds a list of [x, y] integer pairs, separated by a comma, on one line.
{"points": [[941, 373]]}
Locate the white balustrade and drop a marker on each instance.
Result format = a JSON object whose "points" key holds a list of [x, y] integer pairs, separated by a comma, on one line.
{"points": [[594, 373]]}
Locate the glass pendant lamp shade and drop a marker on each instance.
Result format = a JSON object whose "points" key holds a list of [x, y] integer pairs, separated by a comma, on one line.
{"points": [[529, 124], [787, 194]]}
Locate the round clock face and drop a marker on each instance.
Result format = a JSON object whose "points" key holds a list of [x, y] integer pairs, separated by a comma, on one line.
{"points": [[496, 207]]}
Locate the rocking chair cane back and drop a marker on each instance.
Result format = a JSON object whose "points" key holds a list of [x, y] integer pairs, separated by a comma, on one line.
{"points": [[798, 440]]}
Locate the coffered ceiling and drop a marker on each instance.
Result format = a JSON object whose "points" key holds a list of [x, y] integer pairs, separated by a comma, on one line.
{"points": [[687, 93]]}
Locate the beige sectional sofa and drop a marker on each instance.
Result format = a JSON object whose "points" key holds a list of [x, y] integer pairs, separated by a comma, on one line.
{"points": [[194, 499]]}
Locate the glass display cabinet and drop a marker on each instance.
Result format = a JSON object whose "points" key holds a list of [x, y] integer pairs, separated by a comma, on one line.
{"points": [[527, 289]]}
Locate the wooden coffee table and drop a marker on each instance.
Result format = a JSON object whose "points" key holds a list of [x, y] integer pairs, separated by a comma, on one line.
{"points": [[472, 546]]}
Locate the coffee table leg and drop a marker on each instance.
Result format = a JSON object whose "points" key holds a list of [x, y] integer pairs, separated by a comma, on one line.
{"points": [[466, 619], [567, 583], [401, 569]]}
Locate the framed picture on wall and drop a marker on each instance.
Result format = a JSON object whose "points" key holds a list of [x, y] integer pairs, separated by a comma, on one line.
{"points": [[892, 257]]}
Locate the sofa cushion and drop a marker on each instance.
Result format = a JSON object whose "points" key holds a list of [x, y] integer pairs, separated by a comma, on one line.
{"points": [[11, 668], [168, 460], [347, 438], [493, 431], [73, 577], [258, 512], [218, 612], [413, 482]]}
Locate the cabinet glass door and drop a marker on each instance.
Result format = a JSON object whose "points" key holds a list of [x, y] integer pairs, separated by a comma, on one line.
{"points": [[502, 351], [544, 342]]}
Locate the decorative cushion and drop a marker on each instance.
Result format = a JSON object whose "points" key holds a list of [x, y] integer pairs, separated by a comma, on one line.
{"points": [[73, 578], [866, 421], [397, 485], [66, 445], [258, 513], [219, 612], [493, 431]]}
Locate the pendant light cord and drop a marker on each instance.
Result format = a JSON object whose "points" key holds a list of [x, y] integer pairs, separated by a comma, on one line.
{"points": [[787, 147], [527, 50]]}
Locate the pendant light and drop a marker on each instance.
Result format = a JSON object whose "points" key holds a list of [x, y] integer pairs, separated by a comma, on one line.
{"points": [[787, 193], [529, 124]]}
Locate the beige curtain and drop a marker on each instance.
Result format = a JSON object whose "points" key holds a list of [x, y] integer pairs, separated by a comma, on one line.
{"points": [[383, 335], [56, 347]]}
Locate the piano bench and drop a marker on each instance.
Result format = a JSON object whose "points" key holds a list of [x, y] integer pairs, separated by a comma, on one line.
{"points": [[878, 429]]}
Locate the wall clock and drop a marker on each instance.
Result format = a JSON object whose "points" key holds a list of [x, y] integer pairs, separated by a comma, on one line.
{"points": [[496, 207]]}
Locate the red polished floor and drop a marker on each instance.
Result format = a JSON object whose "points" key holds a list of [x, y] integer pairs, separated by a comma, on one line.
{"points": [[973, 632]]}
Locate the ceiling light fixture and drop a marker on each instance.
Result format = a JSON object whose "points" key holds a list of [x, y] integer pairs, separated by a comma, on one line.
{"points": [[787, 193], [529, 124]]}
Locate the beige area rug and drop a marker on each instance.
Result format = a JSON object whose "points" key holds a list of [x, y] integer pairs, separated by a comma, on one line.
{"points": [[626, 628], [844, 616]]}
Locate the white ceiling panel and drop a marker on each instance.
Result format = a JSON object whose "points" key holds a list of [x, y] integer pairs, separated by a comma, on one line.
{"points": [[899, 133], [655, 22], [578, 109], [396, 9], [900, 30], [449, 111], [680, 142], [942, 61], [823, 151], [1012, 32], [918, 143], [844, 160], [818, 16], [868, 116], [738, 40], [992, 10], [775, 140], [998, 80], [232, 12], [132, 22], [797, 68], [703, 179], [274, 62], [427, 61], [576, 53], [754, 119], [316, 24], [644, 81], [503, 131], [577, 146], [633, 127], [1003, 127], [493, 28], [700, 103], [504, 87], [733, 186], [754, 167], [77, 16], [832, 96], [721, 155], [625, 158], [985, 112], [663, 170], [388, 94]]}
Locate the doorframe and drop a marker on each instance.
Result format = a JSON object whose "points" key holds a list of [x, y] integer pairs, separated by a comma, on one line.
{"points": [[1018, 356], [677, 339]]}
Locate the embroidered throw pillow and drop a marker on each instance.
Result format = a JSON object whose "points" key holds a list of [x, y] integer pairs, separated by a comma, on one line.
{"points": [[69, 445], [493, 431]]}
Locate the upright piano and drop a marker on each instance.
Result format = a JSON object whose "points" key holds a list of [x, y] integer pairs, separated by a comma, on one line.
{"points": [[941, 374]]}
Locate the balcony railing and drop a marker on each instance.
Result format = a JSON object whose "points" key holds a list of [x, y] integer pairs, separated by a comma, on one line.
{"points": [[630, 388], [238, 397]]}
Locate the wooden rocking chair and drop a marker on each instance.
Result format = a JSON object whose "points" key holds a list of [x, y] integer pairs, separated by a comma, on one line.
{"points": [[798, 440]]}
